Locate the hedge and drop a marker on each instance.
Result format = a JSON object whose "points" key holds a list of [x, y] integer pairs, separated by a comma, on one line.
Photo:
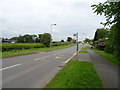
{"points": [[60, 44], [21, 46]]}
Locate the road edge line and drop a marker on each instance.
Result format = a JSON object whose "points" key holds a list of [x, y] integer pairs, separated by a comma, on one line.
{"points": [[70, 58]]}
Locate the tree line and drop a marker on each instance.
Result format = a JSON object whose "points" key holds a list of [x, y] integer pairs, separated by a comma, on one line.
{"points": [[45, 38], [111, 36], [40, 38]]}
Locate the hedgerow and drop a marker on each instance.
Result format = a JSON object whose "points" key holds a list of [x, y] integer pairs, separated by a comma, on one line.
{"points": [[21, 46]]}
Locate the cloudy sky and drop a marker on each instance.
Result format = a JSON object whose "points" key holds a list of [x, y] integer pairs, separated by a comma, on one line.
{"points": [[19, 17]]}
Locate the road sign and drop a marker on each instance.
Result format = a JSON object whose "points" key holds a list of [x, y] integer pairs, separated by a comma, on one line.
{"points": [[74, 34]]}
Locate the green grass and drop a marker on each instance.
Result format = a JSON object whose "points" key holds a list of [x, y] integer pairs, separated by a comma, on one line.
{"points": [[83, 48], [94, 48], [83, 51], [110, 57], [31, 51], [76, 74]]}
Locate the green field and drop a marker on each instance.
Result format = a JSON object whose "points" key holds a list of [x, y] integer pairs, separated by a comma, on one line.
{"points": [[76, 74], [32, 50]]}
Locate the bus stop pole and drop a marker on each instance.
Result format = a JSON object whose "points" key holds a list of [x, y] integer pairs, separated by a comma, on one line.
{"points": [[77, 42]]}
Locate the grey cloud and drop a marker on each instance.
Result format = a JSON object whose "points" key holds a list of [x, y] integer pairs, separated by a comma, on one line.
{"points": [[36, 16]]}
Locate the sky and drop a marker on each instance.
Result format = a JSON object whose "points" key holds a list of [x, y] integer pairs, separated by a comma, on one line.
{"points": [[20, 17]]}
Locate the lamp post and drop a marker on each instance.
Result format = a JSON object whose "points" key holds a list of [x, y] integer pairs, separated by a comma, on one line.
{"points": [[51, 27]]}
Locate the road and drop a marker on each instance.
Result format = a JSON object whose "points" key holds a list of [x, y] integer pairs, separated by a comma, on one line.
{"points": [[34, 70]]}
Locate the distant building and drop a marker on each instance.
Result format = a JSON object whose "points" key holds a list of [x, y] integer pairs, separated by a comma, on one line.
{"points": [[73, 41], [55, 41], [9, 41], [100, 44]]}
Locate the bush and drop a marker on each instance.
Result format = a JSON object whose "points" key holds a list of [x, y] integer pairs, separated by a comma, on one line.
{"points": [[60, 44], [108, 47]]}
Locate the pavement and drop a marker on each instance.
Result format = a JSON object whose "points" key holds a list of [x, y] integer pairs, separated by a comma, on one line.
{"points": [[82, 57], [34, 70], [108, 72]]}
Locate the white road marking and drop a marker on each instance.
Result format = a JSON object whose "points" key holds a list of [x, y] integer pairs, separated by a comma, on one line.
{"points": [[44, 57], [37, 59], [70, 58], [57, 57], [40, 58], [10, 67]]}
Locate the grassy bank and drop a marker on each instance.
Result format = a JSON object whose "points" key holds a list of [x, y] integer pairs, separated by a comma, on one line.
{"points": [[110, 57], [76, 74], [32, 51]]}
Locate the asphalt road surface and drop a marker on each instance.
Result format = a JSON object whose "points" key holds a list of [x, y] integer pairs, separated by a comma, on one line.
{"points": [[34, 70]]}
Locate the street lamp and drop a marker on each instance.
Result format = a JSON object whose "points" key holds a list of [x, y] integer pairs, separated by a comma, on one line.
{"points": [[51, 27]]}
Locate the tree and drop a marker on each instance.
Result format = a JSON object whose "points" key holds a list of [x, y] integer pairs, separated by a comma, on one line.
{"points": [[100, 34], [62, 40], [14, 38], [5, 39], [28, 38], [34, 37], [69, 39], [86, 40], [20, 39], [111, 11], [45, 39], [39, 37]]}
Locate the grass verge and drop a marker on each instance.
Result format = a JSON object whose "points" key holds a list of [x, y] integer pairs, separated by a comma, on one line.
{"points": [[31, 51], [94, 48], [110, 57], [83, 51], [83, 48], [76, 74]]}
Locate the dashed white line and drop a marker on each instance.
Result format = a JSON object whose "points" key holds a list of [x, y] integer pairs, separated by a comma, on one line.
{"points": [[44, 57], [40, 58], [37, 59], [10, 67]]}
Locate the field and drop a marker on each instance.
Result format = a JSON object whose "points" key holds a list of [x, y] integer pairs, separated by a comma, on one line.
{"points": [[23, 51], [22, 46]]}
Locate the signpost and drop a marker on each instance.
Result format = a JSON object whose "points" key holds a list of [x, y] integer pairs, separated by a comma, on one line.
{"points": [[76, 34]]}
